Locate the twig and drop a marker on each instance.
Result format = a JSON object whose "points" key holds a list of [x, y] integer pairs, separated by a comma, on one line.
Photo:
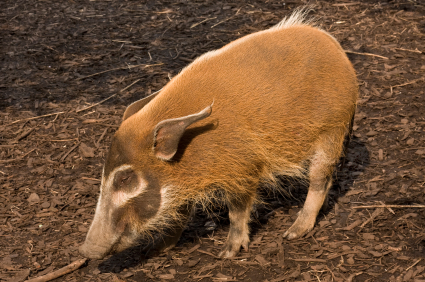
{"points": [[122, 41], [120, 68], [94, 179], [389, 209], [408, 50], [104, 100], [415, 148], [101, 137], [23, 135], [333, 275], [350, 278], [309, 260], [222, 21], [207, 253], [26, 154], [365, 54], [196, 24], [377, 212], [63, 140], [69, 152], [58, 273], [407, 83], [346, 4], [237, 12], [125, 88], [9, 160], [18, 158], [389, 206], [416, 262], [27, 119]]}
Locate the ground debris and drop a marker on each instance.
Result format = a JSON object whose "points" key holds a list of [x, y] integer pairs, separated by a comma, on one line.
{"points": [[69, 70]]}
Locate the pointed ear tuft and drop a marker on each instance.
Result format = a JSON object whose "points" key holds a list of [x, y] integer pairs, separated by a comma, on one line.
{"points": [[138, 105], [167, 133]]}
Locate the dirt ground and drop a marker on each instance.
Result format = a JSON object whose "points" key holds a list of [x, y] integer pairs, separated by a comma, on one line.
{"points": [[68, 70]]}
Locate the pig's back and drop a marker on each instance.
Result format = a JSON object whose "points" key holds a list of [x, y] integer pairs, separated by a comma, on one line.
{"points": [[274, 92], [297, 74]]}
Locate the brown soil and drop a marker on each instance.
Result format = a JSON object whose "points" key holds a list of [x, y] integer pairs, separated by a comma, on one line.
{"points": [[59, 57]]}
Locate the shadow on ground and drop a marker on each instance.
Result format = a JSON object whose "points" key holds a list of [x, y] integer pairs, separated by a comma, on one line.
{"points": [[289, 201]]}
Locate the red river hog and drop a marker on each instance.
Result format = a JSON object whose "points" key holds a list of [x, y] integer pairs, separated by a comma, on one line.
{"points": [[276, 102]]}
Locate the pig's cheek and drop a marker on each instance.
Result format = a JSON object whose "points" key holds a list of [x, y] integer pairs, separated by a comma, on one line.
{"points": [[119, 220], [146, 211], [121, 226]]}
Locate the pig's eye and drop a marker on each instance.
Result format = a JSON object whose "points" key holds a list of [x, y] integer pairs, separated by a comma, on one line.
{"points": [[123, 179]]}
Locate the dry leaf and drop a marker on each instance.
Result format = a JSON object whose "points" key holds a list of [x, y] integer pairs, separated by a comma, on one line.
{"points": [[86, 151]]}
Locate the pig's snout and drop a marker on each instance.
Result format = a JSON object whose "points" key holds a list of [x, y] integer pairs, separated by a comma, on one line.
{"points": [[93, 251]]}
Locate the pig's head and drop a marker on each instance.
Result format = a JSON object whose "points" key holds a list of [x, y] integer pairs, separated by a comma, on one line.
{"points": [[133, 197]]}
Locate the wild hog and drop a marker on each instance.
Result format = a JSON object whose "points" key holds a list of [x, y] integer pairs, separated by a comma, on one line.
{"points": [[275, 102]]}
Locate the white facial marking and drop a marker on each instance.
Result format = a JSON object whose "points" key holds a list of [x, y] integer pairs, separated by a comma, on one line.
{"points": [[107, 184], [166, 199], [119, 198], [102, 181], [165, 196]]}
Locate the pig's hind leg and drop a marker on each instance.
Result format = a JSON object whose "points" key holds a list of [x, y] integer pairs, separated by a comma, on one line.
{"points": [[320, 175], [239, 215]]}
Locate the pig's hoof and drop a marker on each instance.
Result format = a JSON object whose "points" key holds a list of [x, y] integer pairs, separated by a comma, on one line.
{"points": [[298, 229], [231, 250], [292, 235]]}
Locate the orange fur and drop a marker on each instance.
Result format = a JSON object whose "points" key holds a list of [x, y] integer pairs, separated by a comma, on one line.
{"points": [[283, 101], [279, 95]]}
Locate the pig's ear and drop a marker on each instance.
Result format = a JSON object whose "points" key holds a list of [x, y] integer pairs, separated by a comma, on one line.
{"points": [[167, 133], [138, 105]]}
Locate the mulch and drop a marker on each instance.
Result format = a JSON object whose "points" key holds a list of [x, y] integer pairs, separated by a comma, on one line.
{"points": [[68, 70]]}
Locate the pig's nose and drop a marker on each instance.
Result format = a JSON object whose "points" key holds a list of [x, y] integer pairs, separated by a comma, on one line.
{"points": [[92, 251]]}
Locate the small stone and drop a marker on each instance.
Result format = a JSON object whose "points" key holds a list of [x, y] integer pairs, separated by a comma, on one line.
{"points": [[371, 133], [388, 95], [380, 154], [45, 205], [166, 276], [350, 260], [33, 198], [261, 259], [410, 141], [179, 262], [21, 275], [368, 236], [420, 152], [192, 263]]}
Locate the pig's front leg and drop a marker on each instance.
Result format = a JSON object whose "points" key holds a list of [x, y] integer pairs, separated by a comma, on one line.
{"points": [[171, 238], [238, 236]]}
